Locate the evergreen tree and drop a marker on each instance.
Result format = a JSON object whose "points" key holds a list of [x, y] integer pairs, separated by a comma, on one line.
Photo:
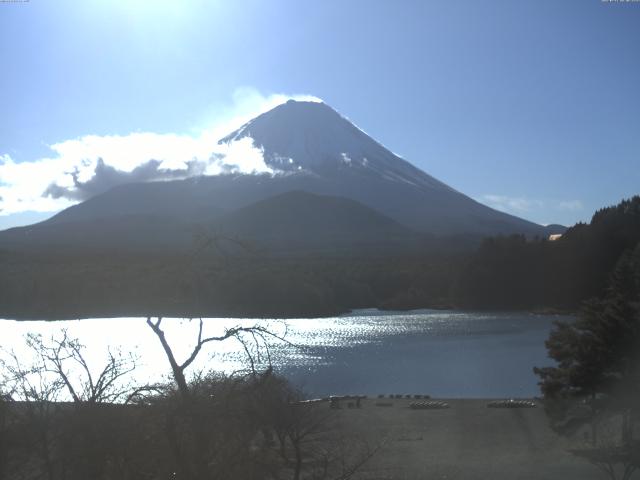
{"points": [[599, 353], [598, 357]]}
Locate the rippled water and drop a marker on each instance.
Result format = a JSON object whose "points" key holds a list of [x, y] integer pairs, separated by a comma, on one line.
{"points": [[441, 353]]}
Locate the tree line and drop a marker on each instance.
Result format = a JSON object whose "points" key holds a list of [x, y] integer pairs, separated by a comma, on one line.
{"points": [[504, 272], [596, 377], [519, 273]]}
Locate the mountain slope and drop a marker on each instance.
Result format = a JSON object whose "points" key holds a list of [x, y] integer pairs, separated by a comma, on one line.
{"points": [[298, 220], [310, 148], [312, 138], [123, 233], [291, 222]]}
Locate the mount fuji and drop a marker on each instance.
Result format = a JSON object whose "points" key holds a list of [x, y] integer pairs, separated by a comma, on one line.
{"points": [[333, 156], [327, 175]]}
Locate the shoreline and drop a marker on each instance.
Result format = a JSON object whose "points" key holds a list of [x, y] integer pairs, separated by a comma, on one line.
{"points": [[342, 313]]}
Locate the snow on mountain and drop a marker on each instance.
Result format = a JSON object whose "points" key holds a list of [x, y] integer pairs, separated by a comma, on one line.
{"points": [[303, 138], [313, 137], [310, 148]]}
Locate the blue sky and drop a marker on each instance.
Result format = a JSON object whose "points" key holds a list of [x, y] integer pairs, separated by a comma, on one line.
{"points": [[528, 106]]}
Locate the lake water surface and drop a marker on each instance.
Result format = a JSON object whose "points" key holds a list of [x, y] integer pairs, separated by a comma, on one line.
{"points": [[440, 353]]}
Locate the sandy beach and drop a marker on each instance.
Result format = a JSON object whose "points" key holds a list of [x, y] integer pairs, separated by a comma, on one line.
{"points": [[463, 442]]}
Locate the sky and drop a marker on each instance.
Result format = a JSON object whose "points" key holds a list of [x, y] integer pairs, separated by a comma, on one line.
{"points": [[531, 107]]}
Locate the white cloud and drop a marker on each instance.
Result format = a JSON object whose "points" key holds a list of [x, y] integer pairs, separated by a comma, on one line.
{"points": [[507, 204], [529, 206], [570, 205], [22, 184], [240, 155], [86, 165]]}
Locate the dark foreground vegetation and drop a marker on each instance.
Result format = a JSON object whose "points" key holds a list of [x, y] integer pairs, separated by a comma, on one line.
{"points": [[61, 419], [596, 379], [243, 428], [221, 278]]}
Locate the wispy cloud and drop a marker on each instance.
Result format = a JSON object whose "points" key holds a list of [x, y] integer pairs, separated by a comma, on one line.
{"points": [[531, 207], [570, 205], [517, 205], [83, 167]]}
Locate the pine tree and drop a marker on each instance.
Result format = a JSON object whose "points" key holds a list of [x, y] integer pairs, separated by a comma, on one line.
{"points": [[599, 352]]}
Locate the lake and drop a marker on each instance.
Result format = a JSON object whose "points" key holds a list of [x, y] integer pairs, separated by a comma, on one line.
{"points": [[441, 353]]}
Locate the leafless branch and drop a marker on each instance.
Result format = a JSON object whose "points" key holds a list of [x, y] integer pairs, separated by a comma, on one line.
{"points": [[59, 355], [256, 332]]}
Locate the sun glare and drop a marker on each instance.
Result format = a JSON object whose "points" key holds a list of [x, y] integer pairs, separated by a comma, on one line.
{"points": [[154, 14], [154, 8]]}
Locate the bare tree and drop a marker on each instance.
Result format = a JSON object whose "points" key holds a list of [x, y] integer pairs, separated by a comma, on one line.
{"points": [[64, 358], [211, 426], [66, 441], [38, 393], [193, 460], [314, 445], [4, 444], [616, 453], [256, 334], [617, 462]]}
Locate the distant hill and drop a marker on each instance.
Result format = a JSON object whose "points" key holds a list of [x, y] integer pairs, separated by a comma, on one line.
{"points": [[301, 221], [288, 223], [132, 233]]}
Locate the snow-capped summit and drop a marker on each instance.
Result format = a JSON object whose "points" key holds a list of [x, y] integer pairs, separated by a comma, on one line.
{"points": [[304, 135], [320, 153], [313, 137]]}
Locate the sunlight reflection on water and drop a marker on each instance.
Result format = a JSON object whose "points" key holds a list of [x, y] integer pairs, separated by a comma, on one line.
{"points": [[443, 353]]}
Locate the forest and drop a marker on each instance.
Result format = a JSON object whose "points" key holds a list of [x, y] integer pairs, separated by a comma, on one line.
{"points": [[518, 273], [502, 273]]}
